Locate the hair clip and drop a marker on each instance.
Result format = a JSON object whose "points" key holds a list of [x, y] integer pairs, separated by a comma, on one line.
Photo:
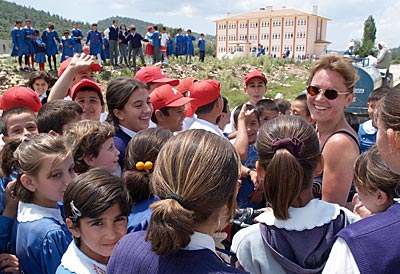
{"points": [[175, 197], [294, 146], [141, 166], [75, 212]]}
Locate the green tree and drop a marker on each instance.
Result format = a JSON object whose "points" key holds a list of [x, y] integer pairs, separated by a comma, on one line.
{"points": [[369, 36]]}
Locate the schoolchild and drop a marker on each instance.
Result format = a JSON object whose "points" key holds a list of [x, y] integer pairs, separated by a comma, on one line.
{"points": [[92, 145], [169, 108], [77, 36], [123, 44], [297, 233], [135, 48], [29, 40], [55, 115], [255, 87], [283, 106], [197, 192], [20, 48], [67, 46], [299, 107], [207, 105], [130, 110], [19, 96], [170, 46], [140, 160], [201, 44], [267, 110], [154, 77], [105, 51], [149, 49], [355, 250], [45, 167], [89, 95], [179, 43], [189, 48], [18, 122], [112, 34], [41, 82], [49, 37], [40, 50], [164, 45], [96, 207], [94, 38], [223, 119], [156, 42]]}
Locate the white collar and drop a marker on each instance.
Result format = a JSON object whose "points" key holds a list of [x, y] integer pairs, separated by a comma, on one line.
{"points": [[30, 212], [78, 262], [130, 133], [206, 125], [369, 128], [315, 214], [200, 241]]}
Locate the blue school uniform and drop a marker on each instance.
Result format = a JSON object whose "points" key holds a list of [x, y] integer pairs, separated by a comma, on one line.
{"points": [[50, 38], [96, 42], [201, 44], [155, 39], [105, 53], [140, 215], [121, 140], [17, 35], [180, 44], [189, 48], [29, 36], [77, 36], [42, 238], [68, 48], [40, 49], [171, 46]]}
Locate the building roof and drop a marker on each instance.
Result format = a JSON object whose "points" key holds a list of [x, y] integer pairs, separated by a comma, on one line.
{"points": [[268, 13]]}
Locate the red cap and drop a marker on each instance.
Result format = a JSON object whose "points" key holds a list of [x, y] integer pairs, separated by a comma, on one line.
{"points": [[154, 75], [185, 84], [167, 96], [64, 65], [204, 92], [86, 83], [255, 74], [19, 96], [149, 28]]}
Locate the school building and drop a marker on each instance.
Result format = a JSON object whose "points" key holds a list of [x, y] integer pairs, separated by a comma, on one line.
{"points": [[303, 34]]}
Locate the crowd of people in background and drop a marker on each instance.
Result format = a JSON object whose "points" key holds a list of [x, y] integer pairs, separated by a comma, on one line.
{"points": [[146, 175], [118, 43]]}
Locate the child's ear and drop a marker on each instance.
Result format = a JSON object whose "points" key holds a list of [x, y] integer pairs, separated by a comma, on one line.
{"points": [[118, 114], [73, 228], [381, 198], [28, 182], [88, 159], [159, 115]]}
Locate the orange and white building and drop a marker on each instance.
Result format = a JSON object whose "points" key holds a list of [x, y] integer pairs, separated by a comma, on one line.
{"points": [[303, 34]]}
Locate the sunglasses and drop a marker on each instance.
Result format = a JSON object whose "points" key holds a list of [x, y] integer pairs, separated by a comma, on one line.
{"points": [[330, 94]]}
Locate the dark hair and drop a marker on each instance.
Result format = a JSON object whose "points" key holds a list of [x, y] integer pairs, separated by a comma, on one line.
{"points": [[163, 28], [28, 158], [36, 32], [118, 93], [18, 22], [224, 108], [248, 107], [85, 138], [11, 112], [94, 25], [94, 192], [66, 32], [143, 147], [155, 27], [266, 104], [40, 74], [282, 104], [303, 98], [164, 110], [352, 120], [50, 25], [206, 108], [372, 174], [200, 168], [378, 94], [54, 115], [115, 20], [282, 188], [86, 88]]}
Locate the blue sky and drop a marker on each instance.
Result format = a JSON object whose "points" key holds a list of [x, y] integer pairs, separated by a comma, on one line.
{"points": [[347, 16]]}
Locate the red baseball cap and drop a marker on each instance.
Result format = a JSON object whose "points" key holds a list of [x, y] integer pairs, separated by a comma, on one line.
{"points": [[149, 28], [204, 92], [86, 83], [255, 74], [19, 96], [154, 75], [167, 96], [64, 65], [185, 84]]}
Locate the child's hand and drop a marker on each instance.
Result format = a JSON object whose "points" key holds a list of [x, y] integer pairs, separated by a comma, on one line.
{"points": [[11, 208], [359, 208], [9, 263]]}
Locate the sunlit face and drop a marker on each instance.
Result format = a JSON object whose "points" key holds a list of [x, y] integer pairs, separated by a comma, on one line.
{"points": [[83, 74], [136, 113], [107, 157], [40, 86], [252, 125], [98, 236], [323, 110], [23, 124], [388, 153], [174, 121], [256, 89], [299, 108], [48, 186], [90, 103]]}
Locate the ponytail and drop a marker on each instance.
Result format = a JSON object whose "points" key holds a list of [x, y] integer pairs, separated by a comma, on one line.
{"points": [[138, 184]]}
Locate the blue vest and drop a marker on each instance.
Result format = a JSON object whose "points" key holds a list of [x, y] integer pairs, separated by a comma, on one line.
{"points": [[113, 34]]}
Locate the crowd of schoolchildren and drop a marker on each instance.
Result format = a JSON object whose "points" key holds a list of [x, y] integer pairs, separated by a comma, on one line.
{"points": [[146, 176], [118, 43]]}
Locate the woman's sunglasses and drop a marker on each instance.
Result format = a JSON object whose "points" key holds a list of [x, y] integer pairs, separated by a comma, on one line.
{"points": [[330, 94]]}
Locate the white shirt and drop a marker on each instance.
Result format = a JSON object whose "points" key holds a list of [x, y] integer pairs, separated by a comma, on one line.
{"points": [[203, 124], [130, 133], [201, 241], [341, 260]]}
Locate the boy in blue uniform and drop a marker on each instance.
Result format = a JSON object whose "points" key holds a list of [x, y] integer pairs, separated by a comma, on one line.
{"points": [[67, 46], [29, 39], [135, 47], [77, 36], [201, 44], [156, 42], [95, 39], [189, 48]]}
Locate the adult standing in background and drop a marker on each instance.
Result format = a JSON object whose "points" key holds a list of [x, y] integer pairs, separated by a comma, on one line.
{"points": [[113, 42], [77, 36], [384, 56]]}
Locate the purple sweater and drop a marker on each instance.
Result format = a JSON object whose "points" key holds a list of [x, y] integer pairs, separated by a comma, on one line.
{"points": [[374, 242], [133, 255]]}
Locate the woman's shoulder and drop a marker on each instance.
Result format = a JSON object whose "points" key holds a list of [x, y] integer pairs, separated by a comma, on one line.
{"points": [[342, 140]]}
